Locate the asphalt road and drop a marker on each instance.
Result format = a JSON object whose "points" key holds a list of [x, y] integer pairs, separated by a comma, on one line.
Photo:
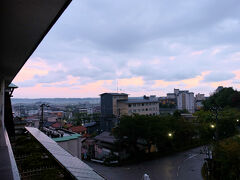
{"points": [[181, 166]]}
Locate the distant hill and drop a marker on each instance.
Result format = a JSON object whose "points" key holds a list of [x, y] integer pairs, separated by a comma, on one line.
{"points": [[56, 100], [60, 100]]}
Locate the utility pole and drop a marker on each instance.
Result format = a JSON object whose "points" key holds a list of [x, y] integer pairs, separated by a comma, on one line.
{"points": [[42, 115]]}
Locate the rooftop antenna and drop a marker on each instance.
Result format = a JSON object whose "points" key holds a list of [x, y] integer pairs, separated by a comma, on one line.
{"points": [[117, 86]]}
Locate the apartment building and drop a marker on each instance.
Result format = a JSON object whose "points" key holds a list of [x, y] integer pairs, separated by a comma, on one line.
{"points": [[138, 106], [185, 100]]}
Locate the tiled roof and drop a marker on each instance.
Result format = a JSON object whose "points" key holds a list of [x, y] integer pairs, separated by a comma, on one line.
{"points": [[78, 129], [58, 125]]}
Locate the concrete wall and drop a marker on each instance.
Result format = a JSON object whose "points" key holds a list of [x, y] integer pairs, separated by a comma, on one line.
{"points": [[185, 100], [72, 146], [122, 108], [115, 103]]}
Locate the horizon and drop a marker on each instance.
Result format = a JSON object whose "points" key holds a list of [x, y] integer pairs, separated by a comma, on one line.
{"points": [[137, 47]]}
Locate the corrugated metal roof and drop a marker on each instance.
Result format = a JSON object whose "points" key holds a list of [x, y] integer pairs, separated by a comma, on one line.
{"points": [[66, 138]]}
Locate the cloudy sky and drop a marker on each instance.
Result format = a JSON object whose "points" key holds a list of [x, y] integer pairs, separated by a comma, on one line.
{"points": [[140, 46]]}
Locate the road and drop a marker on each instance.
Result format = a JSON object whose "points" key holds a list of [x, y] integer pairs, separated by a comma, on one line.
{"points": [[181, 166]]}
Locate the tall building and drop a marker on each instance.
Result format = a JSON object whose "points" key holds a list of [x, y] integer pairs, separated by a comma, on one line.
{"points": [[185, 100], [114, 105], [109, 105], [109, 109]]}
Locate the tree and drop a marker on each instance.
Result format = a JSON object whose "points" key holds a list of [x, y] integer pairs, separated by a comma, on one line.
{"points": [[154, 130], [226, 159], [225, 97]]}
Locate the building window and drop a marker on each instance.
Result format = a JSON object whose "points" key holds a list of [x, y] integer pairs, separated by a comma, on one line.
{"points": [[142, 104], [129, 105], [146, 109], [134, 105]]}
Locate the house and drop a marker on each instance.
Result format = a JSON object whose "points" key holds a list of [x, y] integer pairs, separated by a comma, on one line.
{"points": [[78, 129], [91, 127], [105, 147], [60, 125]]}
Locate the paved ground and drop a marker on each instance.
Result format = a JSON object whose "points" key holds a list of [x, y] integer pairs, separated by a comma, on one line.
{"points": [[181, 166]]}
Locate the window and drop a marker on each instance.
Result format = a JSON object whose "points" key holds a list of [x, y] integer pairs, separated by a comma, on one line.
{"points": [[134, 105], [146, 109], [129, 105], [142, 104]]}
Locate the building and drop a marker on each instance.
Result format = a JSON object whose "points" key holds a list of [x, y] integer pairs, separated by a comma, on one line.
{"points": [[199, 98], [78, 129], [71, 142], [138, 106], [167, 105], [114, 105], [109, 108], [185, 100], [109, 105]]}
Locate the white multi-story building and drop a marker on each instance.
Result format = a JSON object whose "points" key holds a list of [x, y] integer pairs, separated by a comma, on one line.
{"points": [[185, 100]]}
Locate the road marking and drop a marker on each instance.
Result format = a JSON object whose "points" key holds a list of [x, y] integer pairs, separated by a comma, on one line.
{"points": [[192, 156]]}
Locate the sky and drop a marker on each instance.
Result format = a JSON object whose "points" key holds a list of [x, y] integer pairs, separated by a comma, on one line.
{"points": [[139, 47]]}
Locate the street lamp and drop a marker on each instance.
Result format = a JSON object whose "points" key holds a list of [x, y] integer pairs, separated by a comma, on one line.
{"points": [[170, 134], [212, 126], [237, 120], [41, 121]]}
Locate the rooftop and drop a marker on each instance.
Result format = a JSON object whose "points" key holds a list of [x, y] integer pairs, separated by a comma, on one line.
{"points": [[66, 138], [106, 137], [115, 94], [90, 124], [130, 101], [78, 129]]}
